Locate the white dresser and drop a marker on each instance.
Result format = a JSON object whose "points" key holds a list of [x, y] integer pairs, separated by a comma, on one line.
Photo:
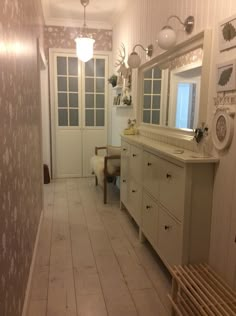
{"points": [[168, 192]]}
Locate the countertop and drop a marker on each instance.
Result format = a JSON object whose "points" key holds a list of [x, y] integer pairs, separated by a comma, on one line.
{"points": [[171, 151]]}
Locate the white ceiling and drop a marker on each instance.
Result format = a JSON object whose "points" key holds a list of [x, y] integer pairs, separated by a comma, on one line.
{"points": [[99, 13]]}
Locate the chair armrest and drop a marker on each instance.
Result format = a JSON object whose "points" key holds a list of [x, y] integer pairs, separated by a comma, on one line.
{"points": [[106, 160], [99, 148]]}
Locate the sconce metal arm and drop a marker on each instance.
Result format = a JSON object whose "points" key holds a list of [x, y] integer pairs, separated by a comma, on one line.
{"points": [[148, 50], [188, 23]]}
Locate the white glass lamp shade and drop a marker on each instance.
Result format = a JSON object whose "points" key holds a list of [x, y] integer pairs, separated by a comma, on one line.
{"points": [[84, 48], [134, 60], [166, 38]]}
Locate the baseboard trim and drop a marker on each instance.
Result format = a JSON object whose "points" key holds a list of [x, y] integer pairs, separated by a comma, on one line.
{"points": [[29, 283]]}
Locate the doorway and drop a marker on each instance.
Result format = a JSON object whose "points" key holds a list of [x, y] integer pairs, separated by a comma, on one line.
{"points": [[78, 111]]}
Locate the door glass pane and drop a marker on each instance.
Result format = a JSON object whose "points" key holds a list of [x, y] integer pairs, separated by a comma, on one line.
{"points": [[147, 86], [62, 99], [100, 85], [155, 117], [89, 85], [89, 101], [146, 116], [157, 73], [74, 119], [157, 86], [100, 100], [73, 100], [147, 102], [148, 73], [73, 84], [73, 66], [99, 117], [100, 68], [89, 68], [62, 84], [61, 66], [89, 117], [62, 117], [156, 99]]}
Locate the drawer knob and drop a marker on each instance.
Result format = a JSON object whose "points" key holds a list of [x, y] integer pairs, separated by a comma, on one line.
{"points": [[124, 149], [167, 227], [124, 181], [148, 207], [133, 191], [134, 155], [168, 176], [149, 163]]}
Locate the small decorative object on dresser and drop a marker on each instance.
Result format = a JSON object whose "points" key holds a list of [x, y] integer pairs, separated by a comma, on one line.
{"points": [[226, 76], [227, 33]]}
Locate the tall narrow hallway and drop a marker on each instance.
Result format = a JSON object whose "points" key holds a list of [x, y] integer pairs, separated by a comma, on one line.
{"points": [[89, 259]]}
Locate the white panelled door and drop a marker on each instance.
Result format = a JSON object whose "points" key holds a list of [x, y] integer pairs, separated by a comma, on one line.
{"points": [[78, 112]]}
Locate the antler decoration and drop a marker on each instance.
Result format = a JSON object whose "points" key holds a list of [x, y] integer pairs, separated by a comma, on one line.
{"points": [[121, 62], [121, 58]]}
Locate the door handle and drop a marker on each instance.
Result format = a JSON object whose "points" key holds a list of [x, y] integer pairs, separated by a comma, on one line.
{"points": [[149, 163], [168, 176]]}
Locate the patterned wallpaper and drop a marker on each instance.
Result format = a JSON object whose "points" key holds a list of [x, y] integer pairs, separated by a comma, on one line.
{"points": [[63, 37], [20, 149]]}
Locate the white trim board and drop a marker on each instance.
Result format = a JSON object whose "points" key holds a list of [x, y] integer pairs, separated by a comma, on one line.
{"points": [[32, 266]]}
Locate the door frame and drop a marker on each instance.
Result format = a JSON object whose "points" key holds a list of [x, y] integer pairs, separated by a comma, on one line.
{"points": [[52, 94]]}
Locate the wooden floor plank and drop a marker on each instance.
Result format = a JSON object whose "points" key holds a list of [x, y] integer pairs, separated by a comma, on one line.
{"points": [[89, 259]]}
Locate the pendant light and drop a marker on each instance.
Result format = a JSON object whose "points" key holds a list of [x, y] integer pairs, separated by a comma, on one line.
{"points": [[84, 42]]}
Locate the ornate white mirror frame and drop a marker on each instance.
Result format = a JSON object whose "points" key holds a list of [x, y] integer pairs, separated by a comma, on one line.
{"points": [[201, 40]]}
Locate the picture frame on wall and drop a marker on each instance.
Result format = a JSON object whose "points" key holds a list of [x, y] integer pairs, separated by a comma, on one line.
{"points": [[226, 76], [227, 33]]}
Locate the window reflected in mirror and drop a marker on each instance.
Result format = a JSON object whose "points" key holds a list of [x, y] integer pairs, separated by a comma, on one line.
{"points": [[152, 95]]}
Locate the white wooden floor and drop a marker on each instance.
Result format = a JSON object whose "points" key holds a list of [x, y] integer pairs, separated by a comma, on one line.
{"points": [[90, 261]]}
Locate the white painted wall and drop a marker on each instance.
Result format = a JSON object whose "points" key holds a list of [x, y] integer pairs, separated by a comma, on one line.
{"points": [[45, 117], [140, 24]]}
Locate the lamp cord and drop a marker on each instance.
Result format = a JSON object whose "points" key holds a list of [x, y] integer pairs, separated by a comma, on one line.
{"points": [[85, 25]]}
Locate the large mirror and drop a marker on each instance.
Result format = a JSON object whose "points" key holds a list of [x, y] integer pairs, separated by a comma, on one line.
{"points": [[174, 85]]}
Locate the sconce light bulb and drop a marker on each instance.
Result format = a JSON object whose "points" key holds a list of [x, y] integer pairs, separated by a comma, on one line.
{"points": [[134, 60], [166, 38]]}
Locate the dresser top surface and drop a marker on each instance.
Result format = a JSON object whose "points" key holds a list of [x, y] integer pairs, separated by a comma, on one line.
{"points": [[177, 153]]}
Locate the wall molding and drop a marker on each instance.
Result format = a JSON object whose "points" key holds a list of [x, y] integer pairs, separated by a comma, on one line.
{"points": [[32, 266]]}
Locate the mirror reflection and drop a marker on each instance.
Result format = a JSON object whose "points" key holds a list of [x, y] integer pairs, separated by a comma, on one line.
{"points": [[184, 93], [170, 85], [171, 95]]}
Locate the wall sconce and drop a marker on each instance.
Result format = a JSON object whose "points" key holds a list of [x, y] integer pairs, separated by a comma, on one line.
{"points": [[134, 59], [84, 43], [167, 36]]}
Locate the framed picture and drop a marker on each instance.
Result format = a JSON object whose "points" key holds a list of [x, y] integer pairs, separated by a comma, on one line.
{"points": [[227, 33], [226, 76]]}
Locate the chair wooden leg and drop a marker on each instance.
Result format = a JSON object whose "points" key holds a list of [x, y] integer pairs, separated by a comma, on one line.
{"points": [[96, 180], [105, 191]]}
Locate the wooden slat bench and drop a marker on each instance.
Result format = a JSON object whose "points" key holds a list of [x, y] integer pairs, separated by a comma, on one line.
{"points": [[198, 291]]}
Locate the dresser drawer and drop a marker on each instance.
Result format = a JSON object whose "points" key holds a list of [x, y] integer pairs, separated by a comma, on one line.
{"points": [[172, 188], [135, 200], [169, 239], [149, 221], [151, 173], [135, 163]]}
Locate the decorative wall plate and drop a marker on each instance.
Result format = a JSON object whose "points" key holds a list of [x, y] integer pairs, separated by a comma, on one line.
{"points": [[222, 129]]}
